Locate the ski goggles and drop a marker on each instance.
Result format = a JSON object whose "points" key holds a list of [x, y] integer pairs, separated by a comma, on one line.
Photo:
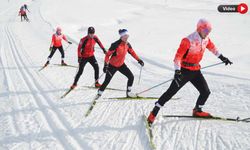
{"points": [[206, 31]]}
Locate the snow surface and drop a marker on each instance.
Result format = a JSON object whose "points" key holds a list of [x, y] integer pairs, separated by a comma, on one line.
{"points": [[32, 115]]}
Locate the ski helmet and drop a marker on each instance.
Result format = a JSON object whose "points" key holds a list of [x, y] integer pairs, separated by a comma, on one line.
{"points": [[123, 32], [91, 30], [58, 29], [204, 25]]}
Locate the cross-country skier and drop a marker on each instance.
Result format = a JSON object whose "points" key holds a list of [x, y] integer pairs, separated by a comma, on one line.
{"points": [[56, 43], [187, 68], [114, 61], [23, 14], [86, 55]]}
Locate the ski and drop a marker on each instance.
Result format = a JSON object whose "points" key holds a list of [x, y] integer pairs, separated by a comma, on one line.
{"points": [[149, 132], [42, 68], [212, 118], [92, 106], [66, 93], [138, 98], [65, 65], [112, 89]]}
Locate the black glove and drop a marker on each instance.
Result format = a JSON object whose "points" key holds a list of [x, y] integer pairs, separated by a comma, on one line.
{"points": [[79, 59], [178, 76], [105, 68], [104, 51], [69, 42], [225, 60], [141, 62], [50, 49]]}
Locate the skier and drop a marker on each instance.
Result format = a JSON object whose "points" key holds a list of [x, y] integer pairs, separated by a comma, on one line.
{"points": [[23, 14], [56, 43], [114, 61], [86, 54], [187, 68]]}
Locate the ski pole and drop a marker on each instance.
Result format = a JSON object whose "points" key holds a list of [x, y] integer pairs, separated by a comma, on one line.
{"points": [[67, 47], [172, 79], [140, 75], [212, 65], [154, 87]]}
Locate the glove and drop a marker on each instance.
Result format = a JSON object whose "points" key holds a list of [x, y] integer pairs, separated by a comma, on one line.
{"points": [[225, 60], [178, 76], [141, 62], [105, 68], [69, 42], [50, 49], [79, 59], [104, 51]]}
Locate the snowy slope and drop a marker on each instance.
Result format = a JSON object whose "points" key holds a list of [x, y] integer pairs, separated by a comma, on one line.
{"points": [[32, 115]]}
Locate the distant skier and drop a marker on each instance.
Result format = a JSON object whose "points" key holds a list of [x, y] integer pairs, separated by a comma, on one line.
{"points": [[114, 61], [56, 43], [23, 14], [86, 55], [187, 68]]}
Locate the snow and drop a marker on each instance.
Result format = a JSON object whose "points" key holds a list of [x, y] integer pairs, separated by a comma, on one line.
{"points": [[32, 115]]}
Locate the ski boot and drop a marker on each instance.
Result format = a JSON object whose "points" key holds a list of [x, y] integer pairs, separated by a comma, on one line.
{"points": [[73, 86], [63, 63], [97, 84], [46, 64], [197, 112]]}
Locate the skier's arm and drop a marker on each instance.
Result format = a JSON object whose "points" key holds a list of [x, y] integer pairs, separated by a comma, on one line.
{"points": [[184, 46], [65, 39], [212, 48], [81, 46], [132, 53], [100, 44], [110, 52], [79, 49], [52, 41]]}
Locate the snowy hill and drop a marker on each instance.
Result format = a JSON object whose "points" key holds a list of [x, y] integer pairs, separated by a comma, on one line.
{"points": [[32, 115]]}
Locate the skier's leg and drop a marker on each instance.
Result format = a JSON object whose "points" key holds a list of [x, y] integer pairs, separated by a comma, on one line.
{"points": [[110, 73], [52, 53], [126, 71], [201, 85], [80, 70], [94, 64], [62, 53], [172, 90]]}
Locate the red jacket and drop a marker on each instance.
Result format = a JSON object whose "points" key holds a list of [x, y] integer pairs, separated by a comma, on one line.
{"points": [[57, 40], [86, 46], [22, 12], [191, 51], [117, 53]]}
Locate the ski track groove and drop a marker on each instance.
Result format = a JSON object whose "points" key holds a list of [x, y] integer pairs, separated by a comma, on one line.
{"points": [[197, 130], [26, 75], [11, 43]]}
